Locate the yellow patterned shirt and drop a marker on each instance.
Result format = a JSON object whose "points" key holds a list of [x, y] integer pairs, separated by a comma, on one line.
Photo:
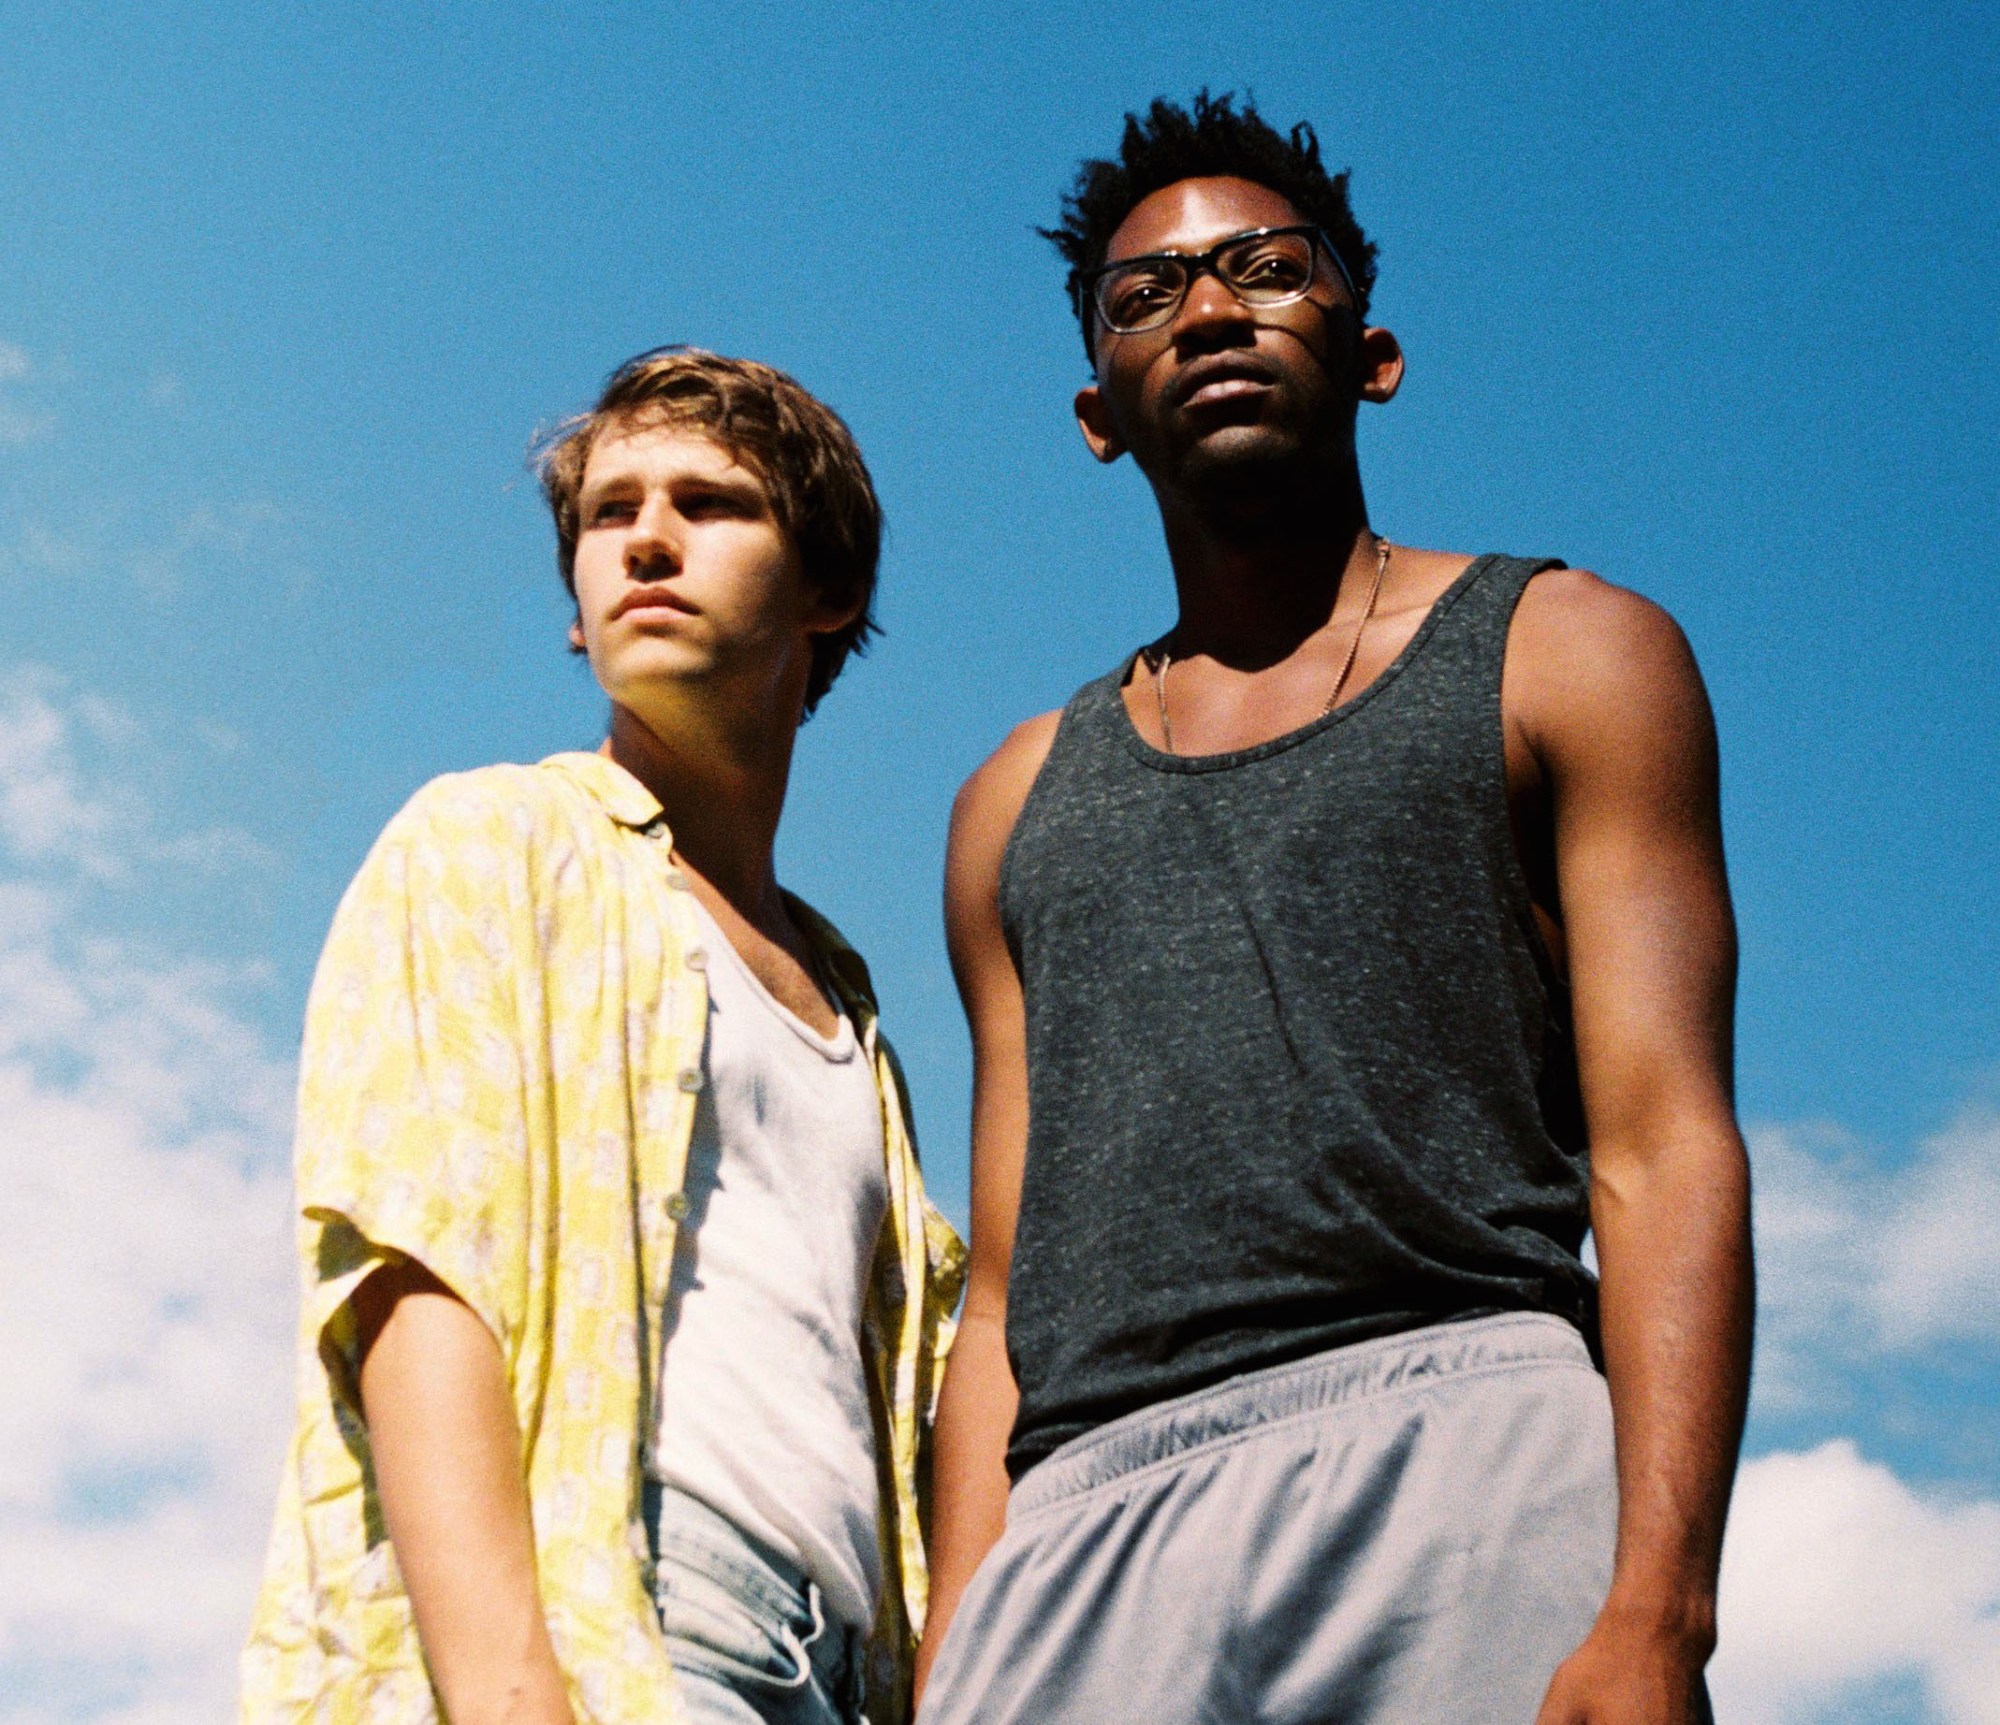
{"points": [[502, 1050]]}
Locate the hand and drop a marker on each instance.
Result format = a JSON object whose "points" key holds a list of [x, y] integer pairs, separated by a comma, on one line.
{"points": [[1628, 1674]]}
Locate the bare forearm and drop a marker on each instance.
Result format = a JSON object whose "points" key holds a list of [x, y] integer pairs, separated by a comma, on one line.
{"points": [[969, 1474], [447, 1457], [1673, 1240]]}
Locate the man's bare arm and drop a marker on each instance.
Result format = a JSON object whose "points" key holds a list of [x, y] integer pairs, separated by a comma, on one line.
{"points": [[447, 1454], [1607, 695], [976, 1406]]}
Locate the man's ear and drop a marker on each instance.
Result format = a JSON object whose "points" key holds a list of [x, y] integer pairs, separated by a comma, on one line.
{"points": [[1093, 419], [576, 635], [1380, 364], [827, 616]]}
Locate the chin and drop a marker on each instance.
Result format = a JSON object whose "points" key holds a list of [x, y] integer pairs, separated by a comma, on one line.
{"points": [[1251, 457], [1259, 460], [636, 679]]}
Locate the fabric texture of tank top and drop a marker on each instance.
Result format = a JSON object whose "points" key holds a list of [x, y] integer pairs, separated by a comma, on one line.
{"points": [[762, 1407], [1300, 1071]]}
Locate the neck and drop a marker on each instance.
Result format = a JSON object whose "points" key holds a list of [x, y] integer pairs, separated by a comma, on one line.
{"points": [[1258, 573], [722, 792]]}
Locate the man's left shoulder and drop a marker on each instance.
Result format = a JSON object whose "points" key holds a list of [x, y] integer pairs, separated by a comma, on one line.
{"points": [[1587, 656], [1580, 609]]}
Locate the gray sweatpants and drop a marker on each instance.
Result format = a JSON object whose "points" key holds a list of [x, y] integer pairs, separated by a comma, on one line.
{"points": [[1417, 1529]]}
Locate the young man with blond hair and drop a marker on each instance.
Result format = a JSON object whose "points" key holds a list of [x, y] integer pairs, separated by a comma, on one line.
{"points": [[624, 1306]]}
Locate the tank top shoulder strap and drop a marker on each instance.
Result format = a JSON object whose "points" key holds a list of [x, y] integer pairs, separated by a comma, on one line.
{"points": [[1467, 628], [1101, 695], [1092, 716], [1492, 587]]}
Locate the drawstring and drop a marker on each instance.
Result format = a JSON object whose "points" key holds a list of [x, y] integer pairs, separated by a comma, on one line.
{"points": [[798, 1647], [855, 1678]]}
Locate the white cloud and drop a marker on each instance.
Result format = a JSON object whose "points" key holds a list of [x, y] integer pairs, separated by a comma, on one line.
{"points": [[107, 833], [1838, 1579], [18, 424], [40, 550], [237, 532], [44, 816], [1937, 1265], [147, 1291], [166, 561], [1842, 1584], [22, 425], [1858, 1259]]}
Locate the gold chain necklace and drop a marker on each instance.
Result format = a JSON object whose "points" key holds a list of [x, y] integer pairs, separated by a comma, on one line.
{"points": [[1346, 664]]}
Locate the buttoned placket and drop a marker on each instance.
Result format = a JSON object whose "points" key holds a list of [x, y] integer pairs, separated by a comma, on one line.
{"points": [[661, 1157]]}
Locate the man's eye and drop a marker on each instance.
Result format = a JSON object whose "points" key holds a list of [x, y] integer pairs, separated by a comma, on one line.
{"points": [[1134, 296], [1271, 269], [605, 513], [716, 505]]}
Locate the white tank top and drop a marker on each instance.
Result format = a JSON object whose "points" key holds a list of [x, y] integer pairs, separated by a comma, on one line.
{"points": [[764, 1410]]}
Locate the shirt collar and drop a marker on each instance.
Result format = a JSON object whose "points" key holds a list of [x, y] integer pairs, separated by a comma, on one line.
{"points": [[847, 967], [630, 804], [623, 797]]}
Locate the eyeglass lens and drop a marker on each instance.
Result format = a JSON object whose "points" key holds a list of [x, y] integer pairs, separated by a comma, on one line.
{"points": [[1260, 269]]}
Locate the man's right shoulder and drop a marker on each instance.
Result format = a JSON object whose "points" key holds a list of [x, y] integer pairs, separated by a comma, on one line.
{"points": [[493, 822], [985, 811], [509, 798], [997, 789], [469, 844]]}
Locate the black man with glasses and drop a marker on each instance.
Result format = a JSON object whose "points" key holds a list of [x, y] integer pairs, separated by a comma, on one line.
{"points": [[1335, 965]]}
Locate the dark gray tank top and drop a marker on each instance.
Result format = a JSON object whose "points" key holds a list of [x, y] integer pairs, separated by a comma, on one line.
{"points": [[1300, 1071]]}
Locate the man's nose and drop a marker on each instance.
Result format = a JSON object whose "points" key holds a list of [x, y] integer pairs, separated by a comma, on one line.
{"points": [[1210, 313], [653, 547]]}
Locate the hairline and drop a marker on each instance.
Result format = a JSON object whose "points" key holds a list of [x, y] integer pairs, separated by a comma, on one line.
{"points": [[658, 414], [1302, 221]]}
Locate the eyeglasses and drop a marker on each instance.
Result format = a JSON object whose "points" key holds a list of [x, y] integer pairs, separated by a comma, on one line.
{"points": [[1266, 266]]}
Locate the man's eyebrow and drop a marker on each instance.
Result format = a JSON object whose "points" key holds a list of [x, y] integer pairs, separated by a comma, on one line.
{"points": [[733, 478], [738, 485], [607, 482]]}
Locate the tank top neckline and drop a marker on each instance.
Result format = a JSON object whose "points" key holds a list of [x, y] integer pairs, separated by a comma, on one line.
{"points": [[1111, 689], [836, 1050]]}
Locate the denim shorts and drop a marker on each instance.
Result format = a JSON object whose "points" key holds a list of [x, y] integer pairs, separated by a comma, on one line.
{"points": [[747, 1631]]}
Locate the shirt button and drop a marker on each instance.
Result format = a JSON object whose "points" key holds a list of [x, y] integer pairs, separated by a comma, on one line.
{"points": [[689, 1079], [677, 880], [677, 1206], [697, 958]]}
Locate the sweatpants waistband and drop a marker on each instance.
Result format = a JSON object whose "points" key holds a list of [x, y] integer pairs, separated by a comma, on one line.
{"points": [[1359, 1373]]}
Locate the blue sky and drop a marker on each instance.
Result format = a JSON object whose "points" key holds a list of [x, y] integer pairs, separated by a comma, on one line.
{"points": [[1699, 297]]}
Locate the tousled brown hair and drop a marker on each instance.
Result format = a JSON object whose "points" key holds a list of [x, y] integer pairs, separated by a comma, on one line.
{"points": [[797, 445]]}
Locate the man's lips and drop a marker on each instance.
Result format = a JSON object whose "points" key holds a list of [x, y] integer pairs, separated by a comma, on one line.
{"points": [[652, 599], [1226, 389], [1224, 377]]}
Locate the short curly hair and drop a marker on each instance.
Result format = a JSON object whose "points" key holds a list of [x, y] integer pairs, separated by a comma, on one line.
{"points": [[796, 444], [1213, 136]]}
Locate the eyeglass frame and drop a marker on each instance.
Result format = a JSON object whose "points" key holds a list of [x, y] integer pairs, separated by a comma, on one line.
{"points": [[1198, 263]]}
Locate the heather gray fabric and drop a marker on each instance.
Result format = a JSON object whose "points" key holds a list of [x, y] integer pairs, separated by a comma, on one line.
{"points": [[1299, 1070], [1414, 1530]]}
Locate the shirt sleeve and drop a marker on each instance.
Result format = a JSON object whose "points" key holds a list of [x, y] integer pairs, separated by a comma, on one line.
{"points": [[413, 1134]]}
